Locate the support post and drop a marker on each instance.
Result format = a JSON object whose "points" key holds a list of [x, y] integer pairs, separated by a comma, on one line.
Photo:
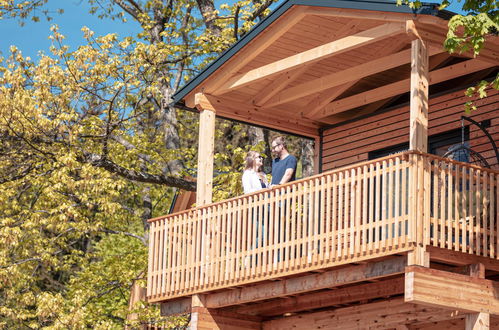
{"points": [[419, 97], [418, 140], [477, 321], [206, 146], [210, 318]]}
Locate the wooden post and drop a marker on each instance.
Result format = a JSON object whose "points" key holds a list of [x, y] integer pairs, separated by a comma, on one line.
{"points": [[419, 97], [418, 140], [206, 146], [477, 321], [209, 318], [317, 152]]}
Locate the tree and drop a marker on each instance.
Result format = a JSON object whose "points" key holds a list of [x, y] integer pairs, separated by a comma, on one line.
{"points": [[91, 149]]}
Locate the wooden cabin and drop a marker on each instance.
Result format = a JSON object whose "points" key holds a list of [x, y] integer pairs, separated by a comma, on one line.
{"points": [[388, 234]]}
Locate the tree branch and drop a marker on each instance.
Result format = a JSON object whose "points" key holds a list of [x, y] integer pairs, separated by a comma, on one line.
{"points": [[99, 161]]}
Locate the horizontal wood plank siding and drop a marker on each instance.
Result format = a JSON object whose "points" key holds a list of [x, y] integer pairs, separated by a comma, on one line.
{"points": [[351, 143]]}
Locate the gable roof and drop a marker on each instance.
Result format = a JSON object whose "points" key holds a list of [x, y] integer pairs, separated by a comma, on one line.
{"points": [[379, 5]]}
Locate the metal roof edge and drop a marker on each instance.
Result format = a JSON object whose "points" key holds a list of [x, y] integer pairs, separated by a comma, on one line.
{"points": [[375, 5]]}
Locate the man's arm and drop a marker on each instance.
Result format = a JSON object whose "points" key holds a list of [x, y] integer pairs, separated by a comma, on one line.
{"points": [[287, 176]]}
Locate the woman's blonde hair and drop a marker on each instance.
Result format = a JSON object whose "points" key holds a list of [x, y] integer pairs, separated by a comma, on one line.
{"points": [[250, 159]]}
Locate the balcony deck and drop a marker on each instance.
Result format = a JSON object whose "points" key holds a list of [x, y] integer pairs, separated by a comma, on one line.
{"points": [[385, 207]]}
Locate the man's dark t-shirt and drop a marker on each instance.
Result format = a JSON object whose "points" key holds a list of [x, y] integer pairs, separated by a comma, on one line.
{"points": [[279, 167]]}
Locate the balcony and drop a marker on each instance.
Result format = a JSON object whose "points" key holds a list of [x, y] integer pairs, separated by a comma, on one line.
{"points": [[384, 207]]}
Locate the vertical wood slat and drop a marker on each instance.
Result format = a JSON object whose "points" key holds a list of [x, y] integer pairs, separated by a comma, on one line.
{"points": [[390, 216], [377, 210], [471, 211], [364, 222], [456, 208], [404, 208], [352, 203], [479, 212], [370, 234], [396, 216], [340, 215], [464, 210], [335, 217], [427, 199], [484, 213], [492, 215]]}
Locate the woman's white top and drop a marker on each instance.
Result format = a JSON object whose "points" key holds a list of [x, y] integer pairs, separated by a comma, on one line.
{"points": [[251, 181]]}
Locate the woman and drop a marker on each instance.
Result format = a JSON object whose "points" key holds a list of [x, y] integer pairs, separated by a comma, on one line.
{"points": [[253, 178]]}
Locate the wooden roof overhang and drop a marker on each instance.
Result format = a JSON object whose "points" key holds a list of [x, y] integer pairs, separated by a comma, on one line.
{"points": [[315, 63]]}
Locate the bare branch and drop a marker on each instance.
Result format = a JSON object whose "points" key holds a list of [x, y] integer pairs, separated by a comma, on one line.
{"points": [[99, 161], [110, 231]]}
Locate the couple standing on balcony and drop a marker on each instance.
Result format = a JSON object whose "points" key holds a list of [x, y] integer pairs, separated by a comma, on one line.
{"points": [[283, 168]]}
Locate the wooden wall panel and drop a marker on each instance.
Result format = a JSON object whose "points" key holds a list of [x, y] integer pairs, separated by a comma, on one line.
{"points": [[351, 143]]}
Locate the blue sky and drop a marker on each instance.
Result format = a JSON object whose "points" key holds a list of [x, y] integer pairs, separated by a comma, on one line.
{"points": [[33, 37]]}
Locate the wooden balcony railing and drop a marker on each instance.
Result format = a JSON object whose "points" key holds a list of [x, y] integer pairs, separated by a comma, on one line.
{"points": [[373, 209]]}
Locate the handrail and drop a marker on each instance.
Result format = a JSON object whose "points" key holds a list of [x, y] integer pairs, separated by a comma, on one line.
{"points": [[403, 154]]}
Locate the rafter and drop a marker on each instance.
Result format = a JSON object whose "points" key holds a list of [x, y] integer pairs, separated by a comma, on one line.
{"points": [[278, 28], [342, 77], [278, 85], [336, 47], [285, 79], [399, 87], [331, 94]]}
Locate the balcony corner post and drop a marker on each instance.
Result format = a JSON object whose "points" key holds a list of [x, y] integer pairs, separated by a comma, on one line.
{"points": [[419, 97], [206, 146]]}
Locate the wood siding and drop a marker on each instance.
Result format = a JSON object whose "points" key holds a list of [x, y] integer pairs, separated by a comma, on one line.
{"points": [[351, 143]]}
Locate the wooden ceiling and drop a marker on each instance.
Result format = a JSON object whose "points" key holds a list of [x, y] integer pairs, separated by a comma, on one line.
{"points": [[317, 66]]}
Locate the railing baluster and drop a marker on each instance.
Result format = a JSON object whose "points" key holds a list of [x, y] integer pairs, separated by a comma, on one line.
{"points": [[294, 228], [340, 215], [377, 209], [485, 211], [334, 216], [464, 211], [478, 212], [390, 212], [288, 231], [364, 222], [346, 215], [396, 210], [492, 215], [353, 210], [370, 233], [347, 219]]}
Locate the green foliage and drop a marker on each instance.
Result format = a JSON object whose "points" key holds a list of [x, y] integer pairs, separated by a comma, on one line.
{"points": [[469, 33], [88, 145]]}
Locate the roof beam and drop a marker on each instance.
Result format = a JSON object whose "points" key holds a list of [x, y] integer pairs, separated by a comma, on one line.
{"points": [[312, 55], [254, 115], [325, 97], [253, 49], [342, 77], [278, 85], [375, 15], [399, 87]]}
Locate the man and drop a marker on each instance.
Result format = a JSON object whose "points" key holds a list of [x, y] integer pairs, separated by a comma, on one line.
{"points": [[284, 165]]}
